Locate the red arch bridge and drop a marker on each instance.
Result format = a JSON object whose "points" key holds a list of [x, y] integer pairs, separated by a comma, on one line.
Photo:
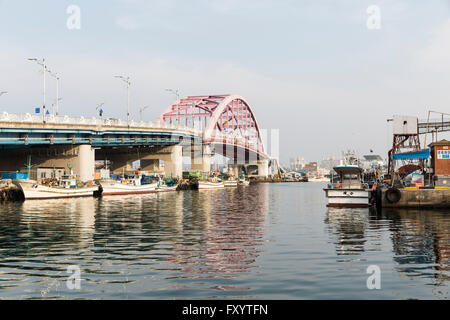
{"points": [[223, 124], [229, 128]]}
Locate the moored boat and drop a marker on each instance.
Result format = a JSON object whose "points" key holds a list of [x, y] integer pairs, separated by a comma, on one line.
{"points": [[208, 184], [132, 185], [230, 183], [350, 191], [66, 188], [243, 182]]}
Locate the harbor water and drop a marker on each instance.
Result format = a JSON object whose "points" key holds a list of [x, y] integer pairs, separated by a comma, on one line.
{"points": [[263, 241]]}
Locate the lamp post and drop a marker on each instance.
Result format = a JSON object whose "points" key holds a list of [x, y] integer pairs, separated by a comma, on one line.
{"points": [[56, 76], [175, 92], [44, 69], [142, 110], [128, 83], [99, 109], [3, 92]]}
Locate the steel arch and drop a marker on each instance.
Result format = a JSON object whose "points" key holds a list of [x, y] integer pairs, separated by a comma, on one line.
{"points": [[224, 119]]}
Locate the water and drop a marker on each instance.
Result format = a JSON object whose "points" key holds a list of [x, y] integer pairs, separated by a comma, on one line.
{"points": [[265, 241]]}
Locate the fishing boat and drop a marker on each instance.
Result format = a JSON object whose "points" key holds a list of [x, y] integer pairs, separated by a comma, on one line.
{"points": [[211, 184], [166, 185], [132, 185], [350, 191], [243, 182], [67, 187], [230, 183]]}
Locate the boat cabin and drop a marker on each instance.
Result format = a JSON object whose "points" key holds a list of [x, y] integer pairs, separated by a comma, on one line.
{"points": [[350, 177], [69, 181]]}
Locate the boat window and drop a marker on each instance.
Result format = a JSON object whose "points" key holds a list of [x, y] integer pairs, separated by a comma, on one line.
{"points": [[349, 176]]}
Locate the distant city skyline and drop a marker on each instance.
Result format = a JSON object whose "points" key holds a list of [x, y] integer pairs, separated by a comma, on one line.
{"points": [[312, 69]]}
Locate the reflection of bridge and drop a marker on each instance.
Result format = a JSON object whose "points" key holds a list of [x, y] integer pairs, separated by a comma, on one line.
{"points": [[198, 125]]}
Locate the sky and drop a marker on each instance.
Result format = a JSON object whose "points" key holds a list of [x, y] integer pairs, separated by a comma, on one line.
{"points": [[315, 70]]}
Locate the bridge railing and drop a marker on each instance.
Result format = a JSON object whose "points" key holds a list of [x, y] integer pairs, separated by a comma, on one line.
{"points": [[109, 122]]}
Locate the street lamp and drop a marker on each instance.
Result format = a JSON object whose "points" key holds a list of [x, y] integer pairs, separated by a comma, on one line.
{"points": [[3, 92], [175, 92], [56, 76], [128, 83], [142, 110], [44, 69]]}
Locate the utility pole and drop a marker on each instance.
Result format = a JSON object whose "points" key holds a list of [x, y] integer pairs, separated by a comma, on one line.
{"points": [[56, 76], [44, 70], [176, 92], [128, 83], [142, 110]]}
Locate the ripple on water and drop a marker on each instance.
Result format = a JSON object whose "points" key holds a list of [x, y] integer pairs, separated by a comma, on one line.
{"points": [[274, 241]]}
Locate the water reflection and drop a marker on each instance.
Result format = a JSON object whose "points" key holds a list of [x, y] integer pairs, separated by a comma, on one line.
{"points": [[222, 234], [348, 227], [121, 240], [421, 242], [420, 239]]}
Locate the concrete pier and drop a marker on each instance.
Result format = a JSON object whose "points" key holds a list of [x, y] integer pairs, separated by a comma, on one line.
{"points": [[122, 159], [201, 158], [416, 198]]}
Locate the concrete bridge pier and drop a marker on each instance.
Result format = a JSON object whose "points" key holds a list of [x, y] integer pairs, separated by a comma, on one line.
{"points": [[172, 157], [201, 158], [263, 168]]}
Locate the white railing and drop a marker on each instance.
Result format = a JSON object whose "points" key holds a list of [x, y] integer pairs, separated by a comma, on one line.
{"points": [[51, 119]]}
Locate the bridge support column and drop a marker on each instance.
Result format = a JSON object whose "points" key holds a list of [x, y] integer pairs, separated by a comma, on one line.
{"points": [[201, 158], [150, 165], [236, 170], [120, 163], [263, 168], [173, 163], [172, 157], [84, 166]]}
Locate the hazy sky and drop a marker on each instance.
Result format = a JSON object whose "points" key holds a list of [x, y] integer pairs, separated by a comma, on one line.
{"points": [[312, 69]]}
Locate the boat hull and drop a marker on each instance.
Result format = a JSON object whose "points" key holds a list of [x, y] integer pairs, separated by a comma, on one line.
{"points": [[230, 183], [166, 189], [32, 190], [349, 198], [210, 185], [116, 188]]}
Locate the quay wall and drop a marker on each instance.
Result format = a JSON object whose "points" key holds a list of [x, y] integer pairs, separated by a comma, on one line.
{"points": [[418, 198]]}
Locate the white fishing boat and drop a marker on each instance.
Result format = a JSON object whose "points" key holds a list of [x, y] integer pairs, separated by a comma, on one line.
{"points": [[318, 179], [230, 183], [66, 188], [210, 184], [349, 191], [132, 185], [243, 182]]}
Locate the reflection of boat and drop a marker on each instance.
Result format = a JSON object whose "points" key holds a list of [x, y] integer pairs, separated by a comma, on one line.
{"points": [[67, 188], [129, 186], [210, 185]]}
